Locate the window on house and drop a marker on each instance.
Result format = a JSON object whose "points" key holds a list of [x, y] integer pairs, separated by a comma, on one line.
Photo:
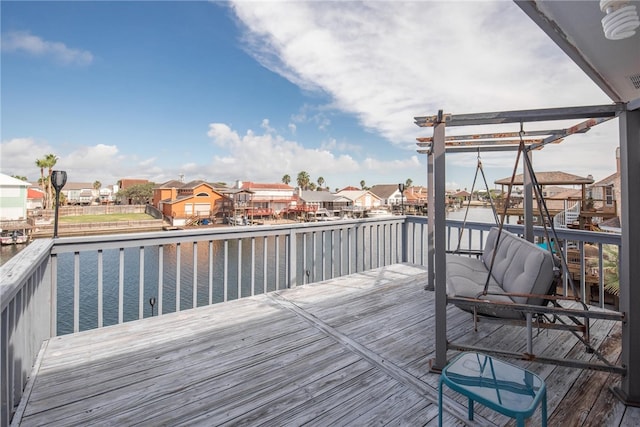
{"points": [[608, 195]]}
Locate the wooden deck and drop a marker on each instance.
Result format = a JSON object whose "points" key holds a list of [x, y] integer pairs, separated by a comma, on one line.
{"points": [[348, 351]]}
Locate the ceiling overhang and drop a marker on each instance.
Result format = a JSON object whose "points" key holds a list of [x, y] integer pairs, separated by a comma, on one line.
{"points": [[575, 26]]}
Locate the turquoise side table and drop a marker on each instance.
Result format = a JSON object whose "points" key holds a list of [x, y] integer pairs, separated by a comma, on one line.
{"points": [[501, 386]]}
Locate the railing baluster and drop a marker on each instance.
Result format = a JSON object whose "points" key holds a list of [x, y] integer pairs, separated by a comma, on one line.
{"points": [[121, 287], [178, 278], [600, 276], [314, 256], [265, 269], [141, 284], [100, 290], [323, 241], [195, 275], [370, 229], [76, 292], [225, 277], [160, 278], [253, 266], [239, 261], [349, 251], [333, 252], [210, 272], [277, 261]]}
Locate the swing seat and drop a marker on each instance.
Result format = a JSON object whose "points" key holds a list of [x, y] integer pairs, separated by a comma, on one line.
{"points": [[522, 273]]}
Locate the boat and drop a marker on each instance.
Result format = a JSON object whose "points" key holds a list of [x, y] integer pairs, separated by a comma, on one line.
{"points": [[377, 213], [13, 237]]}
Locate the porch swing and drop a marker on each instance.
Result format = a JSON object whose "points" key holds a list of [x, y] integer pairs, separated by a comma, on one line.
{"points": [[528, 276], [514, 280]]}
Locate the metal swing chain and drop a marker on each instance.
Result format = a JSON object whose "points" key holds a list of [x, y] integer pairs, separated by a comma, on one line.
{"points": [[504, 211], [466, 212]]}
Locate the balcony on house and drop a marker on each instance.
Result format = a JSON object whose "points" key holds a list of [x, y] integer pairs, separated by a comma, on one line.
{"points": [[321, 323]]}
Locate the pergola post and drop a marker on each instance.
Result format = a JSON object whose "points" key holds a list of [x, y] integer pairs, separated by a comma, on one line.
{"points": [[439, 219], [430, 224], [629, 124]]}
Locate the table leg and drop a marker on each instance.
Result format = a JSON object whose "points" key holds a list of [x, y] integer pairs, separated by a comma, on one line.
{"points": [[544, 409], [440, 403]]}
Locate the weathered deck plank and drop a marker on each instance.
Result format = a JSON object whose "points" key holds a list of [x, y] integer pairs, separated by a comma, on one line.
{"points": [[349, 351]]}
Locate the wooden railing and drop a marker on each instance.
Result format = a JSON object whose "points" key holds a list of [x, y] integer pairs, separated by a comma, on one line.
{"points": [[76, 283]]}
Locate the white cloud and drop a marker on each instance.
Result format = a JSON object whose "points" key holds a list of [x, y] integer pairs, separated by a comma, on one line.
{"points": [[386, 62], [23, 41], [19, 156], [104, 163], [268, 156]]}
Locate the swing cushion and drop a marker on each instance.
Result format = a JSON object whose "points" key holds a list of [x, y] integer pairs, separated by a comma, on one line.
{"points": [[520, 267]]}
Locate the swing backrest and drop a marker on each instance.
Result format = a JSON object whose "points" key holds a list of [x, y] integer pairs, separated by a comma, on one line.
{"points": [[519, 266]]}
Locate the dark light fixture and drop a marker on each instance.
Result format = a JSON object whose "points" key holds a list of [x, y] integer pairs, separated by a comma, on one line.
{"points": [[401, 188], [58, 180]]}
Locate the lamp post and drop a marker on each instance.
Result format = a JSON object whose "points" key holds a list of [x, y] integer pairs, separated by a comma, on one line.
{"points": [[58, 180], [401, 188]]}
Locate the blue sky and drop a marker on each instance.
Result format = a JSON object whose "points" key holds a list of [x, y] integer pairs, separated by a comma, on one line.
{"points": [[227, 91]]}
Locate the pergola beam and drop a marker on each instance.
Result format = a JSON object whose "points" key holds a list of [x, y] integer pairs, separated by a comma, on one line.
{"points": [[521, 116]]}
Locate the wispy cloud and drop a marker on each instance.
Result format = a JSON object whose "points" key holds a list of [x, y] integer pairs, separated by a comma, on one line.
{"points": [[386, 62], [23, 41]]}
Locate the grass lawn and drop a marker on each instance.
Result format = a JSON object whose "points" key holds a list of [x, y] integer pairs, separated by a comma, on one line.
{"points": [[104, 218]]}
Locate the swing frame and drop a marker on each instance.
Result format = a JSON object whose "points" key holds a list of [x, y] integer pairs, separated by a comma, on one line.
{"points": [[436, 147]]}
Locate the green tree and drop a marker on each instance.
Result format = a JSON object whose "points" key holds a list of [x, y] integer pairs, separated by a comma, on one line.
{"points": [[42, 164], [286, 179], [610, 267], [320, 182], [137, 194], [50, 161], [20, 177], [303, 180], [408, 183], [97, 185], [363, 185], [312, 186]]}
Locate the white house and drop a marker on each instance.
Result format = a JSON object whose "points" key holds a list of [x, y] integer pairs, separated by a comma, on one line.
{"points": [[13, 198]]}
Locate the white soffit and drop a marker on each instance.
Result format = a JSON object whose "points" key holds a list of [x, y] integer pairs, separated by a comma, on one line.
{"points": [[575, 26]]}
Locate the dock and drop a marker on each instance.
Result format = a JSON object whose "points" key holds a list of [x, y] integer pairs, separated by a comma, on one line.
{"points": [[354, 350]]}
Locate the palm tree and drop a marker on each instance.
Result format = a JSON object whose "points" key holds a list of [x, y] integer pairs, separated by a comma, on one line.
{"points": [[286, 179], [610, 268], [41, 163], [320, 182], [20, 177], [50, 161], [97, 185], [303, 180], [363, 184], [408, 183]]}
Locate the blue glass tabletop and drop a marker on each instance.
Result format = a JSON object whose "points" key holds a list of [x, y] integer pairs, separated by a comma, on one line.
{"points": [[496, 382]]}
